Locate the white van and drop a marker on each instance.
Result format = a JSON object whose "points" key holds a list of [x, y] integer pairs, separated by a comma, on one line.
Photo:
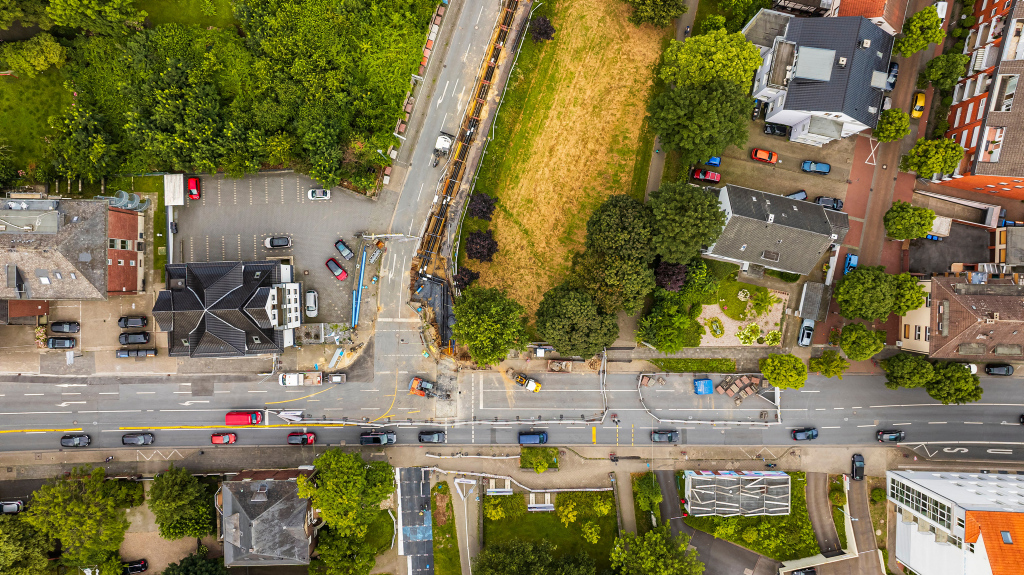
{"points": [[312, 303]]}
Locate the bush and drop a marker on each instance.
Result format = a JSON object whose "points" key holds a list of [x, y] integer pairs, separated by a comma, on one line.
{"points": [[481, 245], [941, 127], [124, 493], [588, 504], [784, 276], [498, 507], [481, 206], [646, 492], [947, 101], [958, 33], [567, 513], [591, 532], [877, 495], [749, 334], [465, 277], [670, 277], [837, 496], [696, 365], [958, 48], [538, 458], [541, 29], [773, 337], [969, 21]]}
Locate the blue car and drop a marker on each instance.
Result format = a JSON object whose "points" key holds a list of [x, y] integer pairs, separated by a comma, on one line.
{"points": [[714, 162], [816, 167], [933, 238], [850, 264]]}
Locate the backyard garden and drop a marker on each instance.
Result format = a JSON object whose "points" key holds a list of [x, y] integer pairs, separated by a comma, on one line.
{"points": [[446, 543]]}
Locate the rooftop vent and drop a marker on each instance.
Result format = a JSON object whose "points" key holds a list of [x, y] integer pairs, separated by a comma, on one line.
{"points": [[865, 43], [260, 494], [770, 256], [842, 62], [771, 218], [177, 283]]}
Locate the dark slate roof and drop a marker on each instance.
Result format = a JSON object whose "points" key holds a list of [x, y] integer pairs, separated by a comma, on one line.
{"points": [[799, 232], [849, 88], [266, 528], [220, 310]]}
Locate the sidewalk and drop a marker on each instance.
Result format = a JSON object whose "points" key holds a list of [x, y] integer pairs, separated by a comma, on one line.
{"points": [[625, 502], [467, 521]]}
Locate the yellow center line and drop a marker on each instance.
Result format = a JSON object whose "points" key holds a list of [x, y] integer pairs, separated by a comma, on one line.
{"points": [[593, 434], [37, 430], [298, 398], [393, 399]]}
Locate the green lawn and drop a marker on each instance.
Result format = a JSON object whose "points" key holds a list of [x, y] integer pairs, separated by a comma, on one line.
{"points": [[25, 106], [687, 365], [781, 537], [674, 168], [446, 542], [541, 526], [728, 290], [199, 12], [159, 227], [840, 521]]}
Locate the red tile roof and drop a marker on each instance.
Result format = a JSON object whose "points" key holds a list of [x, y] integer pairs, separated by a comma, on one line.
{"points": [[1003, 558], [27, 308], [892, 10], [123, 224]]}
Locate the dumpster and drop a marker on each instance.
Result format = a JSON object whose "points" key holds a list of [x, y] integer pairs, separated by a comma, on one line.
{"points": [[703, 387]]}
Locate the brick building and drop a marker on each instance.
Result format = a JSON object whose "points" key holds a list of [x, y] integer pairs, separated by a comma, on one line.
{"points": [[126, 257]]}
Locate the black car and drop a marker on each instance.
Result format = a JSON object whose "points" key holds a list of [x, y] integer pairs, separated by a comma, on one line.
{"points": [[78, 440], [132, 321], [664, 436], [805, 571], [999, 369], [804, 434], [277, 242], [892, 435], [60, 342], [377, 438], [133, 338], [65, 327], [830, 203], [432, 437], [137, 439], [890, 81], [858, 467], [134, 567], [343, 250], [776, 129]]}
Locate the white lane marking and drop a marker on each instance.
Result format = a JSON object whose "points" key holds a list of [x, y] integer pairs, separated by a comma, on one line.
{"points": [[831, 427], [865, 426], [109, 392], [838, 408], [479, 15], [225, 391], [67, 403], [34, 412], [145, 392], [185, 392], [936, 423], [257, 391], [810, 391], [973, 423], [453, 92], [903, 424], [70, 393], [33, 394], [419, 192], [115, 411]]}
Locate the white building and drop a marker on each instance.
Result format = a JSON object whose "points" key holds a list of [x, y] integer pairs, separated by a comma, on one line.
{"points": [[951, 523]]}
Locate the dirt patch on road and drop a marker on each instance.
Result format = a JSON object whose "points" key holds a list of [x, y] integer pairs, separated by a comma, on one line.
{"points": [[566, 139]]}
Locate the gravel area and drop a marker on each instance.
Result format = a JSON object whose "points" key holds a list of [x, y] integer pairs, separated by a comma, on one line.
{"points": [[767, 322]]}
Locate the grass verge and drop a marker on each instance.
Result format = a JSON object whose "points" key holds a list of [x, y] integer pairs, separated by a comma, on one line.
{"points": [[840, 521], [728, 297], [446, 542], [538, 458], [159, 228], [781, 537], [784, 276], [25, 106], [199, 12], [646, 497], [688, 365], [380, 532]]}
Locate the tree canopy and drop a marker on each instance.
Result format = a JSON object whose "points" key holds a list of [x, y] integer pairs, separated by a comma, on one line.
{"points": [[622, 227], [904, 221], [182, 506], [830, 364], [784, 370], [489, 324], [347, 490], [615, 283], [671, 277], [196, 564], [859, 343], [716, 55], [907, 370], [670, 326], [100, 16], [518, 557], [570, 320], [869, 293], [29, 57], [920, 30], [893, 125], [657, 12], [907, 294], [701, 120], [943, 71], [686, 218], [954, 383], [81, 514], [22, 549], [655, 552], [928, 157]]}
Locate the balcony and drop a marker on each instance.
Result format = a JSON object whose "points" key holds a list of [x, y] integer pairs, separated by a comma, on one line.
{"points": [[993, 143], [996, 31], [1014, 48]]}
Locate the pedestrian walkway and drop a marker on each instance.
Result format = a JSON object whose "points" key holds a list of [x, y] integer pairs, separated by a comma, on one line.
{"points": [[819, 509], [466, 501], [625, 490]]}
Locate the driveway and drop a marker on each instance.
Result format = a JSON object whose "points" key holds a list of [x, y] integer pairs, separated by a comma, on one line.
{"points": [[719, 556], [820, 510]]}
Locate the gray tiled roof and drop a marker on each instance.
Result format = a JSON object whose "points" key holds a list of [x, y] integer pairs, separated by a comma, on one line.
{"points": [[849, 88], [799, 232], [267, 528]]}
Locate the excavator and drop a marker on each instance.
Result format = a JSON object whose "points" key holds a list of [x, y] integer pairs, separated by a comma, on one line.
{"points": [[423, 388], [521, 380]]}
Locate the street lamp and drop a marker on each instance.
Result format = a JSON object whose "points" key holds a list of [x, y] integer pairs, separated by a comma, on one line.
{"points": [[381, 152]]}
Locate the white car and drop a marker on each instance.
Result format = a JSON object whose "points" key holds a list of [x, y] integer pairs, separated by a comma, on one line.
{"points": [[11, 506], [318, 194], [806, 333], [971, 366], [312, 303]]}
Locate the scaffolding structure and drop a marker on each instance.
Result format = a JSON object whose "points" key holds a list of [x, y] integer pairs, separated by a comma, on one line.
{"points": [[732, 493]]}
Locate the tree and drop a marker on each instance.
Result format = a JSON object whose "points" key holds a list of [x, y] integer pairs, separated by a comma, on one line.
{"points": [[929, 157], [181, 505], [102, 16], [670, 277], [567, 513], [347, 490], [954, 383], [715, 55], [82, 147], [907, 370], [196, 564], [489, 324], [22, 549], [784, 370], [866, 293], [830, 364], [859, 343], [920, 30], [711, 23], [518, 557], [893, 125], [646, 492], [656, 12], [570, 321], [481, 206], [615, 283], [541, 29], [591, 532], [74, 510], [481, 245], [464, 277], [904, 221], [655, 552], [621, 227], [686, 218], [700, 121], [29, 57], [908, 294], [670, 326], [28, 12], [943, 71]]}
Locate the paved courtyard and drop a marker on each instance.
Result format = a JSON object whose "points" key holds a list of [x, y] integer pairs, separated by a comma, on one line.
{"points": [[233, 218]]}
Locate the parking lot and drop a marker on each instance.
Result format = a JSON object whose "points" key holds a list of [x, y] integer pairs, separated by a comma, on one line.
{"points": [[233, 218]]}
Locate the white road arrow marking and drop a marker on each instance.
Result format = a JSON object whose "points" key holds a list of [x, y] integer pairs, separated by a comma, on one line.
{"points": [[190, 402], [67, 403]]}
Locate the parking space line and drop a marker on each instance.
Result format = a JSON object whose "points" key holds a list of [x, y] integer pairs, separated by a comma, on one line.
{"points": [[266, 189], [219, 180], [234, 192]]}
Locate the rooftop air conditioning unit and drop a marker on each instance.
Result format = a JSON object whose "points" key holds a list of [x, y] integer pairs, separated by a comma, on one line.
{"points": [[842, 62], [866, 43]]}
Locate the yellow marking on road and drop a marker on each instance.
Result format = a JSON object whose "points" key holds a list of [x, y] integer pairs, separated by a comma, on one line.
{"points": [[298, 398], [37, 430], [297, 424], [394, 398], [411, 412], [593, 434]]}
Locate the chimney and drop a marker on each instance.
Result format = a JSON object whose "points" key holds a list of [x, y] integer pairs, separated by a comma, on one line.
{"points": [[866, 43], [842, 62]]}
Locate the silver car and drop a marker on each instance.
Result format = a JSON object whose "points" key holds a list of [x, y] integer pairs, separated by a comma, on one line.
{"points": [[312, 303], [806, 333]]}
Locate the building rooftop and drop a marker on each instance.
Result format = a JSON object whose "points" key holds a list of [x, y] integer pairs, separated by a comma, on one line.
{"points": [[730, 493], [765, 27], [977, 318], [265, 523], [1003, 535], [1014, 246]]}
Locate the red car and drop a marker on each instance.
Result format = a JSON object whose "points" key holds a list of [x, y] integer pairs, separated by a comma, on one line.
{"points": [[336, 269], [223, 438], [299, 438], [764, 156], [193, 188], [707, 176]]}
